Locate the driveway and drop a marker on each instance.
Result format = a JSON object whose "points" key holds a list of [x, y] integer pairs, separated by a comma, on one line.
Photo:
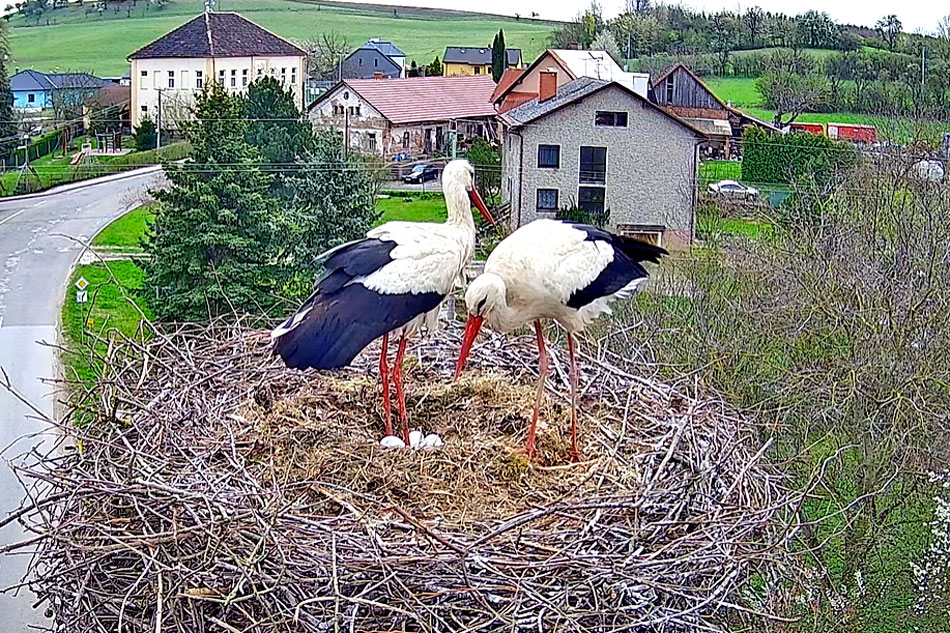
{"points": [[34, 267], [428, 186]]}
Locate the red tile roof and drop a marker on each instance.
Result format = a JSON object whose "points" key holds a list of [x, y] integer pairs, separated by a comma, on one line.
{"points": [[417, 99], [507, 78]]}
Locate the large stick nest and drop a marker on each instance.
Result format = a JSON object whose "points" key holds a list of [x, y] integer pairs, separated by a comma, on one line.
{"points": [[212, 489]]}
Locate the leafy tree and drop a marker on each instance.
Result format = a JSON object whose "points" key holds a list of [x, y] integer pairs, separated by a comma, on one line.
{"points": [[725, 34], [276, 128], [9, 132], [211, 241], [499, 56], [487, 162], [325, 54], [791, 94], [754, 20], [605, 42], [890, 29], [332, 202], [145, 134], [435, 68]]}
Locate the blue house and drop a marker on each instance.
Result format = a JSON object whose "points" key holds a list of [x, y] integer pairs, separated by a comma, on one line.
{"points": [[33, 90], [375, 57]]}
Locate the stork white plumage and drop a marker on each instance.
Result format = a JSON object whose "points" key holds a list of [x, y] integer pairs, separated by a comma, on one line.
{"points": [[392, 282], [563, 271]]}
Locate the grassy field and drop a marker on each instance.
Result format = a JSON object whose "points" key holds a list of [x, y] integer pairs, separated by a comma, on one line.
{"points": [[110, 305], [126, 232], [77, 41], [412, 209], [740, 91]]}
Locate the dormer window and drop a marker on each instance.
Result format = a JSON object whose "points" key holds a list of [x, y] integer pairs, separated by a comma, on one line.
{"points": [[669, 89]]}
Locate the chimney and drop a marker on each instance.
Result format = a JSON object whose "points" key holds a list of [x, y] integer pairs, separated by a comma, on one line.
{"points": [[547, 85], [377, 75]]}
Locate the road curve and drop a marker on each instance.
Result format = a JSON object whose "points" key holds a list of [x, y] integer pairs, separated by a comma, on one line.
{"points": [[34, 267]]}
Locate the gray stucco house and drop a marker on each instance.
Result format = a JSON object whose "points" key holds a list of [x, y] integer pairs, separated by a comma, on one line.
{"points": [[375, 58], [602, 146]]}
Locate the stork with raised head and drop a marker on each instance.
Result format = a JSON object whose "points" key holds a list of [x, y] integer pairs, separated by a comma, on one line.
{"points": [[550, 269], [390, 283]]}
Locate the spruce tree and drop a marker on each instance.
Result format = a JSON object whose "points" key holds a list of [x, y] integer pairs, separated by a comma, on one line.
{"points": [[9, 130], [212, 239], [499, 56]]}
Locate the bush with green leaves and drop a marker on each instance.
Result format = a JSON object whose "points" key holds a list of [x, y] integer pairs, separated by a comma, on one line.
{"points": [[574, 213], [772, 158], [145, 135]]}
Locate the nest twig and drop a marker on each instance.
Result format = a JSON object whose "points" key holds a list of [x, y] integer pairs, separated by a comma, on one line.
{"points": [[213, 489]]}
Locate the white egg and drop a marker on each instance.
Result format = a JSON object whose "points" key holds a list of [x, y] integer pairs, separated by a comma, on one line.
{"points": [[391, 441], [415, 438], [432, 441]]}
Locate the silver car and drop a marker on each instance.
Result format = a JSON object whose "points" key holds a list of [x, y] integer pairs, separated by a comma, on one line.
{"points": [[733, 189]]}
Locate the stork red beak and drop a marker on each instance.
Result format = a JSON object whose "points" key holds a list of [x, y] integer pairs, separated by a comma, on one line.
{"points": [[472, 326], [476, 199]]}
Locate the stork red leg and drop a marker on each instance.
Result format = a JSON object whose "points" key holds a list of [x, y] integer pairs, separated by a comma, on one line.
{"points": [[384, 378], [400, 393], [570, 351], [542, 376]]}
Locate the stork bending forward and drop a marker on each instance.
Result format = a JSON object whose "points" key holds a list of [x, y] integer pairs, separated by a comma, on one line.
{"points": [[550, 269], [389, 283]]}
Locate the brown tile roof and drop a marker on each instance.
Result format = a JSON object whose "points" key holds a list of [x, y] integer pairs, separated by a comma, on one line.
{"points": [[218, 35], [418, 99], [510, 76]]}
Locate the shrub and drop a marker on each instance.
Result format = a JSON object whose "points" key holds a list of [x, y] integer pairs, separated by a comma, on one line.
{"points": [[145, 135]]}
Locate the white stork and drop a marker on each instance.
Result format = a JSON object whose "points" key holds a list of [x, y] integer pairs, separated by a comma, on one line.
{"points": [[550, 269], [391, 282]]}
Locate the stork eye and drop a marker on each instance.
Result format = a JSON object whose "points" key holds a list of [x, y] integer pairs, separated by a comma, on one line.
{"points": [[481, 304]]}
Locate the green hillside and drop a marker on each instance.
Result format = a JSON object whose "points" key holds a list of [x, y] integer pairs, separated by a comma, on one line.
{"points": [[75, 40]]}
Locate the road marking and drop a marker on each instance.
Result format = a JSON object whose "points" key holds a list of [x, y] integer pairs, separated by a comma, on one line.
{"points": [[10, 217], [40, 203]]}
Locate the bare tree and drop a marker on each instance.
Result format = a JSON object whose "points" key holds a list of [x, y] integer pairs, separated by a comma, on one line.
{"points": [[754, 19], [890, 29], [325, 55]]}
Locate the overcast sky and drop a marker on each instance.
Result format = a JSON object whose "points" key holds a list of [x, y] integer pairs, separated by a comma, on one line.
{"points": [[915, 14]]}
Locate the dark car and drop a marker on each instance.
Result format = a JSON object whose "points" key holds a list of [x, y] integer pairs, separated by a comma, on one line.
{"points": [[421, 173]]}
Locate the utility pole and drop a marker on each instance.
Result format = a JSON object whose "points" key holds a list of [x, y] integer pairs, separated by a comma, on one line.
{"points": [[346, 131], [158, 122]]}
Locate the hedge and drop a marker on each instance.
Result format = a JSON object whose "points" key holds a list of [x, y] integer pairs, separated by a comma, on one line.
{"points": [[768, 158]]}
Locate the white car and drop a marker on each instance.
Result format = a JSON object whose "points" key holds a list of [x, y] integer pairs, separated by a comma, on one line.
{"points": [[733, 189]]}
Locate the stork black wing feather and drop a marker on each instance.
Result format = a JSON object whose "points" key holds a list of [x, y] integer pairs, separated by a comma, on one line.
{"points": [[619, 273]]}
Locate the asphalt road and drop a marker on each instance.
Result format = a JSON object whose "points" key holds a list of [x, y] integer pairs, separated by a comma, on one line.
{"points": [[34, 267]]}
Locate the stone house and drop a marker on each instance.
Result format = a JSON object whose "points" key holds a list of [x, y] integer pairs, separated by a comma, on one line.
{"points": [[600, 145], [215, 46], [407, 118]]}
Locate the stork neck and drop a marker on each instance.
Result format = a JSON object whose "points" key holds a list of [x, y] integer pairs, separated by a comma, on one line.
{"points": [[458, 206]]}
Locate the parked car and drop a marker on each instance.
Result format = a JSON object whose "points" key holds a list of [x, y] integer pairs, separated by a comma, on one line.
{"points": [[733, 189], [421, 173]]}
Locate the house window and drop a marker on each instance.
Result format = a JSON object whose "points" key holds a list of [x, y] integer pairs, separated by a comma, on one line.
{"points": [[234, 77], [593, 166], [361, 61], [611, 119], [184, 80], [591, 199], [31, 97], [549, 156], [144, 109], [283, 75], [478, 70], [244, 76], [171, 78], [547, 199], [156, 79], [221, 78], [199, 80], [649, 233], [144, 73], [293, 75], [371, 141], [405, 140], [669, 89]]}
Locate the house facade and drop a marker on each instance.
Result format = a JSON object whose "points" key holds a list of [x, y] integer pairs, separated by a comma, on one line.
{"points": [[517, 87], [33, 90], [367, 63], [407, 118], [464, 61], [681, 92], [221, 47], [601, 146]]}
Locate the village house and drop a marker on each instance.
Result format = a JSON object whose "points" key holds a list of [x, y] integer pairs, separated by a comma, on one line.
{"points": [[407, 118], [518, 86], [681, 92], [599, 145], [34, 90], [375, 58], [467, 60], [222, 47]]}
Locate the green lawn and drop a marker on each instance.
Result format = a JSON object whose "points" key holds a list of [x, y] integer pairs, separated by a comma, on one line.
{"points": [[716, 170], [412, 209], [709, 225], [110, 305], [739, 91], [74, 41], [126, 232]]}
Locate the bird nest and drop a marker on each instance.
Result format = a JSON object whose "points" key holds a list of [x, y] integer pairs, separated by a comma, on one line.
{"points": [[212, 489]]}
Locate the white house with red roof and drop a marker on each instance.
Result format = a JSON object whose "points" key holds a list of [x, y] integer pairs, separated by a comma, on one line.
{"points": [[413, 117]]}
